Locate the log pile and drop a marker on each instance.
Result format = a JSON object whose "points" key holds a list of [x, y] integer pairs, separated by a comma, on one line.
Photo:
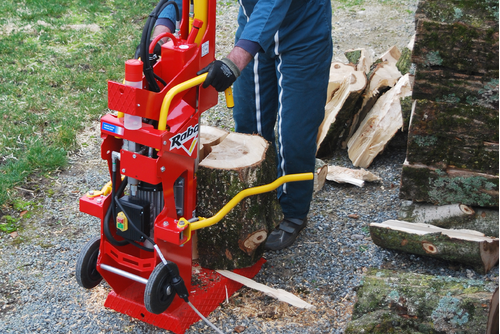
{"points": [[453, 137], [367, 103]]}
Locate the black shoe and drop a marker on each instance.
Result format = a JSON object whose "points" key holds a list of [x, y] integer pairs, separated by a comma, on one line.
{"points": [[285, 234]]}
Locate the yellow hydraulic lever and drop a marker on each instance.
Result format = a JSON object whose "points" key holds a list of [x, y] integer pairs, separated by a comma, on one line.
{"points": [[162, 122], [206, 222]]}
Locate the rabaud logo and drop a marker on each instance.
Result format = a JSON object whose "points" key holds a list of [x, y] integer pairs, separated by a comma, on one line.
{"points": [[186, 140]]}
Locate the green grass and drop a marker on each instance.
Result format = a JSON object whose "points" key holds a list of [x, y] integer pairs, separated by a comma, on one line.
{"points": [[57, 56]]}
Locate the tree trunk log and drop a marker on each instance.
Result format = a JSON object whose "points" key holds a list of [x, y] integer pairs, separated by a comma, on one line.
{"points": [[339, 113], [454, 134], [239, 162], [397, 302], [379, 125], [421, 183], [452, 216], [464, 246]]}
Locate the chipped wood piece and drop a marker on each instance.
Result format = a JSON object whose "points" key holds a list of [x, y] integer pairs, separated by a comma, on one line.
{"points": [[465, 246], [209, 137], [360, 58], [379, 125], [338, 72], [321, 169], [356, 177], [279, 294]]}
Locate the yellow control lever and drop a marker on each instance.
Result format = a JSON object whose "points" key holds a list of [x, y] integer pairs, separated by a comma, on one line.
{"points": [[206, 222]]}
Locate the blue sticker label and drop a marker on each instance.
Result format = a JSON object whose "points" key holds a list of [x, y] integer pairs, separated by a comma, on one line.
{"points": [[112, 128]]}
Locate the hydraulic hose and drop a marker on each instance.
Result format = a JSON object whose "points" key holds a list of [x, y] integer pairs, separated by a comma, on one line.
{"points": [[145, 39]]}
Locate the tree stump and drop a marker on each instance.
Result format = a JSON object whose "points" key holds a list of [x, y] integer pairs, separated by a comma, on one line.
{"points": [[398, 302], [238, 162]]}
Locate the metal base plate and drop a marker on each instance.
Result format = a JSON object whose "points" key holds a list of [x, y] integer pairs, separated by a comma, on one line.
{"points": [[208, 291]]}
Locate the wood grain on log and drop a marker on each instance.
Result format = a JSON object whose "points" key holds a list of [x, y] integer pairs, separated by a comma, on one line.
{"points": [[339, 113], [379, 125]]}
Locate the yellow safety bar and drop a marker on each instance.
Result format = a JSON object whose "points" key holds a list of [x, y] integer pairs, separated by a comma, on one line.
{"points": [[165, 106], [206, 222]]}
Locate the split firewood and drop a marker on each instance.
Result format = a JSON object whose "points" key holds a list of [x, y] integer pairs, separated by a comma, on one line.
{"points": [[321, 169], [338, 72], [339, 113], [405, 302], [379, 125], [279, 294], [452, 216], [210, 136], [465, 246], [383, 75], [356, 177], [239, 162], [360, 58]]}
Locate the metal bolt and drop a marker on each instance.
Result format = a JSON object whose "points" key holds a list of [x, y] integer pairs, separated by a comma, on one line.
{"points": [[168, 290], [98, 200], [123, 170], [165, 223], [164, 142], [162, 169], [91, 193], [134, 156]]}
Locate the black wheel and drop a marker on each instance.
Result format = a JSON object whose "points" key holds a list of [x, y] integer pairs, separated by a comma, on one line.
{"points": [[159, 292], [86, 274]]}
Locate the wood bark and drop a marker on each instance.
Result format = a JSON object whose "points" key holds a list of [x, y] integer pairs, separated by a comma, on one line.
{"points": [[421, 183], [457, 135], [493, 315], [379, 125], [400, 302], [239, 162], [456, 52], [465, 246], [452, 216], [339, 113]]}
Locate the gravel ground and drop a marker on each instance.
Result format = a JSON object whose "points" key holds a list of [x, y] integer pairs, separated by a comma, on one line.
{"points": [[38, 290]]}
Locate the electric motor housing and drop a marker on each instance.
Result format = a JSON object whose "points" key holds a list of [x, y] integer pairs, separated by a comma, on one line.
{"points": [[139, 213]]}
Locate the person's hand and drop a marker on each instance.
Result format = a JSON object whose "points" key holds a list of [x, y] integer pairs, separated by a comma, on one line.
{"points": [[221, 74]]}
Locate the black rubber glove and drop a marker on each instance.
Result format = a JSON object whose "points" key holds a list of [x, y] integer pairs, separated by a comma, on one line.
{"points": [[221, 74]]}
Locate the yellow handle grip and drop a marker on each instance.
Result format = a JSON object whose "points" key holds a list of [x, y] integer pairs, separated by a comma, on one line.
{"points": [[229, 97], [162, 122], [249, 192]]}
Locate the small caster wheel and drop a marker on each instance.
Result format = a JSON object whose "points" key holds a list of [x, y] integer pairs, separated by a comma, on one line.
{"points": [[159, 292], [86, 274]]}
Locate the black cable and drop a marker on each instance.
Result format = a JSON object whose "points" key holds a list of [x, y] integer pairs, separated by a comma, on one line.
{"points": [[107, 231]]}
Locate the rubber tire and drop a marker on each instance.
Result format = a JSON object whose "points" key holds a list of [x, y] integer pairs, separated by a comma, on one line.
{"points": [[156, 299], [86, 273]]}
